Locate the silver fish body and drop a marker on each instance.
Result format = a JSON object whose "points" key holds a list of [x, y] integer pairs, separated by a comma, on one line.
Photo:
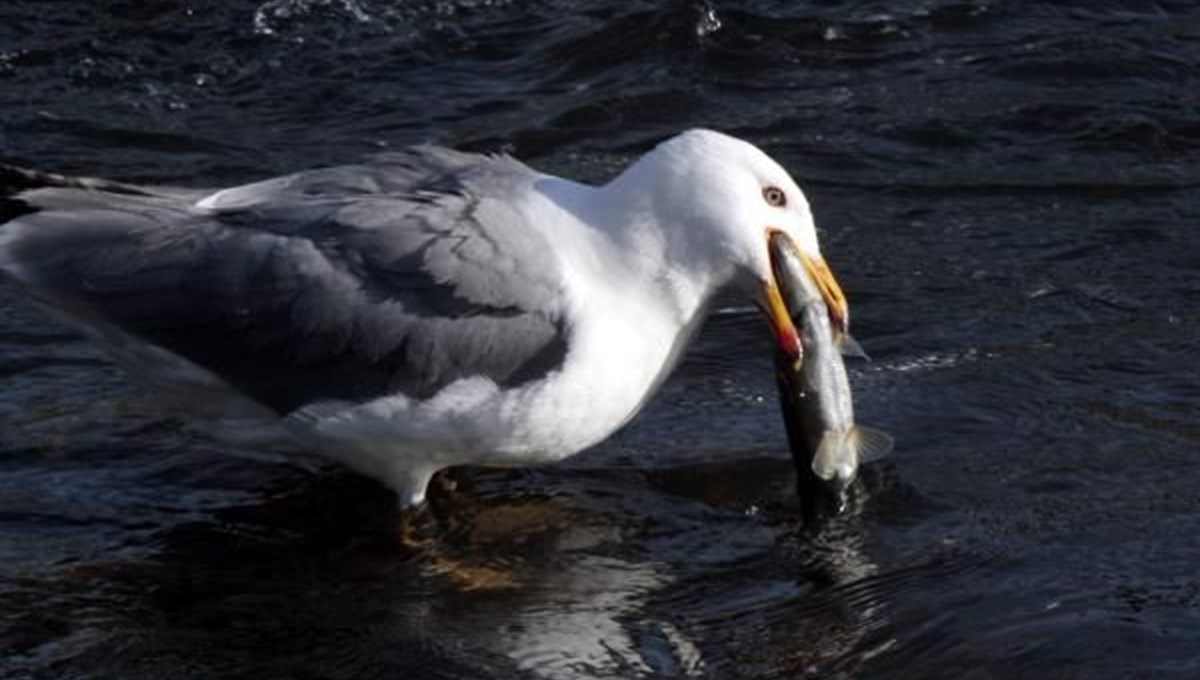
{"points": [[816, 397]]}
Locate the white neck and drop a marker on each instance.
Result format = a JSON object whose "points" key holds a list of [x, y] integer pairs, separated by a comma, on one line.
{"points": [[652, 245]]}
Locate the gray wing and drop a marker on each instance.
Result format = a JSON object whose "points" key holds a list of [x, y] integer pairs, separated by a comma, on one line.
{"points": [[399, 275]]}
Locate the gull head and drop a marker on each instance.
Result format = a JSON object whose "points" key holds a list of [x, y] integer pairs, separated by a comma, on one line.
{"points": [[731, 206]]}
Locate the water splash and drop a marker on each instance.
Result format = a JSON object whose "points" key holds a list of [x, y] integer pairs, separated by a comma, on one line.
{"points": [[709, 22]]}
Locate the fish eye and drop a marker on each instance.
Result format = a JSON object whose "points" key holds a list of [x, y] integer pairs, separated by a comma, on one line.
{"points": [[774, 196]]}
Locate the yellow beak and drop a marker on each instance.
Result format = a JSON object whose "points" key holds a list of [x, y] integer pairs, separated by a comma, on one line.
{"points": [[776, 309], [786, 337]]}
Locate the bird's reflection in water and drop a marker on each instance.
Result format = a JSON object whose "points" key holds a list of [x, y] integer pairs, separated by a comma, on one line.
{"points": [[686, 572]]}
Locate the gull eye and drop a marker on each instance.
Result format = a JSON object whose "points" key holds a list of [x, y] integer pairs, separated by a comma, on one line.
{"points": [[774, 196]]}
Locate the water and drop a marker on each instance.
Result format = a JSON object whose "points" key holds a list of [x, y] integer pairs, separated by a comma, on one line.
{"points": [[1008, 194]]}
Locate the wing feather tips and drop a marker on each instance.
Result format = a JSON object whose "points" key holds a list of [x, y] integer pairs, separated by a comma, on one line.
{"points": [[13, 181]]}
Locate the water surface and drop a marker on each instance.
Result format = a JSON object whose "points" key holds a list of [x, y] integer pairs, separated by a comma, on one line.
{"points": [[1006, 190]]}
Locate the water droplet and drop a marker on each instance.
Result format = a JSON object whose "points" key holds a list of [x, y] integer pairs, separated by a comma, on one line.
{"points": [[709, 22]]}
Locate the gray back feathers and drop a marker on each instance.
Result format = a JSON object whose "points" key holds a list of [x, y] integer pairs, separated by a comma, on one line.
{"points": [[399, 275]]}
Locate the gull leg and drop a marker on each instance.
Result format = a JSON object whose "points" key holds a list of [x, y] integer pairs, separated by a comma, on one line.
{"points": [[443, 483], [428, 529], [443, 504], [421, 532], [428, 513], [418, 527]]}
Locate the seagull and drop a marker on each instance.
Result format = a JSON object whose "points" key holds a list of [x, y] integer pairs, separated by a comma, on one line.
{"points": [[422, 309]]}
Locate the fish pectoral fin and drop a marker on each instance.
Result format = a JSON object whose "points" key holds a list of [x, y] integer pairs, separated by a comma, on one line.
{"points": [[872, 444], [849, 347]]}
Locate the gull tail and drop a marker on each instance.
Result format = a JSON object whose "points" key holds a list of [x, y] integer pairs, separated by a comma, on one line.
{"points": [[840, 453]]}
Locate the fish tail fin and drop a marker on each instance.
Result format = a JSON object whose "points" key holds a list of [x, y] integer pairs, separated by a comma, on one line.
{"points": [[834, 458], [839, 453]]}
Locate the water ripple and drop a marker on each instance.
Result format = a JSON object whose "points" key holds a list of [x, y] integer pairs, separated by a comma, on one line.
{"points": [[1005, 190]]}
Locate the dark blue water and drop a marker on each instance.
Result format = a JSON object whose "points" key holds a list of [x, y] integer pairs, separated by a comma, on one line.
{"points": [[1008, 191]]}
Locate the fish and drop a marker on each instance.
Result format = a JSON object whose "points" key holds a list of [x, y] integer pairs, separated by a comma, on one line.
{"points": [[827, 445]]}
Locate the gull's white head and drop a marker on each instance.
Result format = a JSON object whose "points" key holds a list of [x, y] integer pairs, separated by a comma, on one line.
{"points": [[731, 205]]}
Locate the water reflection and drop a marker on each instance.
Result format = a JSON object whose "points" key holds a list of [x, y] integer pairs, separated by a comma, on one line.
{"points": [[536, 575], [620, 595], [1006, 192]]}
